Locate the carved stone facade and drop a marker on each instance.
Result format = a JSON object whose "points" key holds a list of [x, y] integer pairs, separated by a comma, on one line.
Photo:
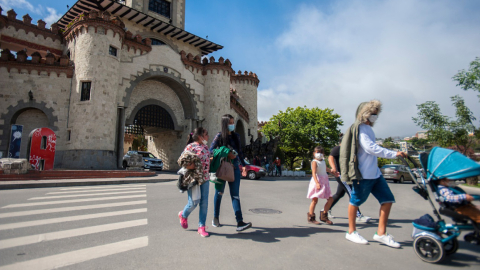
{"points": [[89, 77]]}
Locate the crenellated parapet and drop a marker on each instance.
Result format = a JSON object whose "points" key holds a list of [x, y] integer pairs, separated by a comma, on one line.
{"points": [[207, 65], [26, 25], [48, 64], [246, 77], [104, 20], [94, 19], [136, 43]]}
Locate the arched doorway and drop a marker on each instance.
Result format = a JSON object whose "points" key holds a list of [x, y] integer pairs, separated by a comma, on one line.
{"points": [[240, 129], [152, 127], [149, 120], [30, 119]]}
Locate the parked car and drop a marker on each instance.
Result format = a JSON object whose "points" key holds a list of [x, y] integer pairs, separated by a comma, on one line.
{"points": [[396, 172], [149, 160], [253, 172]]}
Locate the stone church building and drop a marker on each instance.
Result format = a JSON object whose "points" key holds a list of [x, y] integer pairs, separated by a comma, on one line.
{"points": [[110, 68]]}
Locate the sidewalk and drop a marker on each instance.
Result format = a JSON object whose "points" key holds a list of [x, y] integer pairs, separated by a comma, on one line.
{"points": [[160, 177]]}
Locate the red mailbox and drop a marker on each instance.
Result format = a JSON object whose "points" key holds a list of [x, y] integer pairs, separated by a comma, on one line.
{"points": [[42, 148]]}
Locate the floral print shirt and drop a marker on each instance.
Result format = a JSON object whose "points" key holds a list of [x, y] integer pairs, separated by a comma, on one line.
{"points": [[202, 152]]}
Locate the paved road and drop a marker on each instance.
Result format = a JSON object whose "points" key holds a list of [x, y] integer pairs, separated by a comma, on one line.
{"points": [[135, 226]]}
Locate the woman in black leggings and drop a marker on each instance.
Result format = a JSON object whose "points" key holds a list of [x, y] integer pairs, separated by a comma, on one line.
{"points": [[342, 187]]}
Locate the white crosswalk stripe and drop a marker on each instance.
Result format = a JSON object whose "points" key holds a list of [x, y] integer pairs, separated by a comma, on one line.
{"points": [[32, 239], [127, 219], [86, 195], [72, 201], [100, 190], [102, 187], [66, 219], [78, 256], [68, 209]]}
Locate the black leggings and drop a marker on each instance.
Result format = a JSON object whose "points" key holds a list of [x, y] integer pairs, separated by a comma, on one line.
{"points": [[341, 190]]}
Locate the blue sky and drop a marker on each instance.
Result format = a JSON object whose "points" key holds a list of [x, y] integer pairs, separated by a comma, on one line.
{"points": [[336, 54]]}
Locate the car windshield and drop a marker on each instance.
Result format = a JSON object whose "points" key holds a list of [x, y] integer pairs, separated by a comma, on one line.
{"points": [[147, 155]]}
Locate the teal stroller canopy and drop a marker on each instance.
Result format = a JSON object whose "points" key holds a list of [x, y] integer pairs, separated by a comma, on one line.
{"points": [[446, 163]]}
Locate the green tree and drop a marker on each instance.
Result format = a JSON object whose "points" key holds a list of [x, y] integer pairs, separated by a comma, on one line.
{"points": [[301, 129], [419, 143], [469, 79], [139, 143], [444, 130], [389, 143]]}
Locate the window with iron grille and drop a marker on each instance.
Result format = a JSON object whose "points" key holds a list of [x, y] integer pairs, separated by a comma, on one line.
{"points": [[85, 94], [112, 51], [161, 7]]}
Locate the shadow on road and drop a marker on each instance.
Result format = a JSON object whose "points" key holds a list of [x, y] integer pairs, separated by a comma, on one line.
{"points": [[271, 235]]}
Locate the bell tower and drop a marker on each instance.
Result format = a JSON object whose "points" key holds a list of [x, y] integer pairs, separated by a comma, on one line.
{"points": [[169, 11]]}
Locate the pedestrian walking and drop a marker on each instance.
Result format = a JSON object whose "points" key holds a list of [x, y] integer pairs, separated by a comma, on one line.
{"points": [[319, 188], [198, 194], [358, 164], [227, 137], [342, 187], [256, 161], [278, 167]]}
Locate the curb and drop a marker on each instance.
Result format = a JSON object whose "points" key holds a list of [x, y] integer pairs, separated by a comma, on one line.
{"points": [[79, 183]]}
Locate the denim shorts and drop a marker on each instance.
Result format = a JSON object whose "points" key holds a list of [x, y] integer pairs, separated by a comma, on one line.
{"points": [[378, 187]]}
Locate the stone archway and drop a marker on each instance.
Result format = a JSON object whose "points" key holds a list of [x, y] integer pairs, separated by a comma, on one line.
{"points": [[30, 119], [157, 114], [13, 113], [240, 129], [175, 83]]}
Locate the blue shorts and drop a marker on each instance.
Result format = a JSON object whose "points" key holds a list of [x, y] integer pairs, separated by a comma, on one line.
{"points": [[378, 187]]}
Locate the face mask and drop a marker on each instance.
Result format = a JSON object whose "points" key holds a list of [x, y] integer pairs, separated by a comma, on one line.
{"points": [[373, 118], [319, 156], [205, 142], [231, 127]]}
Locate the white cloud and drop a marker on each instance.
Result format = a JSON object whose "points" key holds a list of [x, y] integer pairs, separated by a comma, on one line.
{"points": [[400, 52], [48, 14], [52, 16], [21, 4]]}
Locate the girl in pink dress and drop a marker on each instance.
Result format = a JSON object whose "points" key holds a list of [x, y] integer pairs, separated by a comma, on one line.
{"points": [[319, 187]]}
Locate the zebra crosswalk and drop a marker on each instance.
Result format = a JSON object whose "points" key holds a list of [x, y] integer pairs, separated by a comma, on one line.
{"points": [[68, 209]]}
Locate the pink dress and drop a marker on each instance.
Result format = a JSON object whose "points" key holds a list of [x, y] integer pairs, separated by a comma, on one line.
{"points": [[324, 192]]}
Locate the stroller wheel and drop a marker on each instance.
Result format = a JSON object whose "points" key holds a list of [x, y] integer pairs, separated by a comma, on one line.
{"points": [[429, 249], [451, 246], [472, 238]]}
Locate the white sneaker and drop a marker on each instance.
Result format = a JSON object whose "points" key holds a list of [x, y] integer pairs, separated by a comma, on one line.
{"points": [[363, 218], [356, 238], [330, 214], [386, 239]]}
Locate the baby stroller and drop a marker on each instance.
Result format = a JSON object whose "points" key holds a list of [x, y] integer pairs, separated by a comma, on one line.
{"points": [[433, 240]]}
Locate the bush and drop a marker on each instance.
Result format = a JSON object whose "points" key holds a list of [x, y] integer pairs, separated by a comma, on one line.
{"points": [[472, 181]]}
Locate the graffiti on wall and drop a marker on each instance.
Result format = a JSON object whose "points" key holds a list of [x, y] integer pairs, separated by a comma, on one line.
{"points": [[42, 148]]}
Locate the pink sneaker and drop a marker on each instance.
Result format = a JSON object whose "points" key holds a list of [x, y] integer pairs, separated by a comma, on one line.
{"points": [[202, 232], [183, 221]]}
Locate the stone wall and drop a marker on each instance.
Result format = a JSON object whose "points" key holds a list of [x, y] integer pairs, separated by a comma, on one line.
{"points": [[168, 147], [93, 122], [154, 90], [217, 99], [246, 86], [50, 95]]}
